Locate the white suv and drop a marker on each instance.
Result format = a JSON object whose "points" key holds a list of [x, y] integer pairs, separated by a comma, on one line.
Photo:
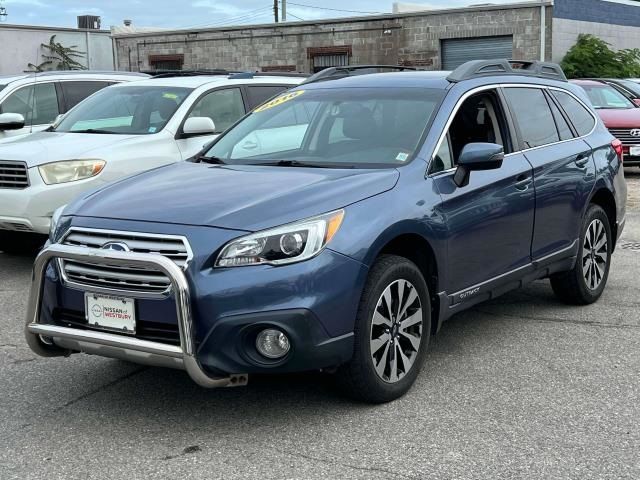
{"points": [[30, 102], [119, 131]]}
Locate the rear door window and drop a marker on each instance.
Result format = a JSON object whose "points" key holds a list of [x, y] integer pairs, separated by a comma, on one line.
{"points": [[534, 117], [259, 94], [75, 92], [582, 120]]}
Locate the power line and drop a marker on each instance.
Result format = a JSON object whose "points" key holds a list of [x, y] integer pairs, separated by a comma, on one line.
{"points": [[332, 9], [294, 16], [247, 15]]}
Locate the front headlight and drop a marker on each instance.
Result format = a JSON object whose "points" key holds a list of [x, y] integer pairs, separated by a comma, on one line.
{"points": [[55, 218], [287, 244], [70, 170]]}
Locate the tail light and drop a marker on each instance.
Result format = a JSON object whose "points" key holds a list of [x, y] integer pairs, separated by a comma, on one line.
{"points": [[617, 146]]}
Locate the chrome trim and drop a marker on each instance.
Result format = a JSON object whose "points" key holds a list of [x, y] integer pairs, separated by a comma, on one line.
{"points": [[92, 341], [482, 88], [112, 290]]}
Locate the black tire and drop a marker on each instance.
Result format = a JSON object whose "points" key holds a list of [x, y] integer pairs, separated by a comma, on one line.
{"points": [[358, 378], [573, 287], [23, 243]]}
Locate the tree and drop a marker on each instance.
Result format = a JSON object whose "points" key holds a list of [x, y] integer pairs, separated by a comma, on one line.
{"points": [[59, 57], [592, 57]]}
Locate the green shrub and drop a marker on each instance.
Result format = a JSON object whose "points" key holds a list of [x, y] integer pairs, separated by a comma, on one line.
{"points": [[592, 57]]}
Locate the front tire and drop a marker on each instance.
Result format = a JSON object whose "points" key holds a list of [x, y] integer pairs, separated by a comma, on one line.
{"points": [[392, 331], [585, 283]]}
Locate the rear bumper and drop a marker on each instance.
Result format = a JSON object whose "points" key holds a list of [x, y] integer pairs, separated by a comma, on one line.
{"points": [[51, 340]]}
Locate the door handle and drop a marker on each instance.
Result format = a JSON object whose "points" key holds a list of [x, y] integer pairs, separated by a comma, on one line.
{"points": [[582, 160], [522, 182]]}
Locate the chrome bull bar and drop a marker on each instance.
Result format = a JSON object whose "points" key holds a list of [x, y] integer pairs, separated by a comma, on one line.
{"points": [[115, 345]]}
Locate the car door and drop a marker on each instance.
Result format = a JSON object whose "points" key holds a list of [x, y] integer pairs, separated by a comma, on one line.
{"points": [[224, 106], [37, 103], [563, 168], [490, 220]]}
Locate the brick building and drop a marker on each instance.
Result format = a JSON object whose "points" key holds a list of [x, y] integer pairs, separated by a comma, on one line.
{"points": [[434, 39]]}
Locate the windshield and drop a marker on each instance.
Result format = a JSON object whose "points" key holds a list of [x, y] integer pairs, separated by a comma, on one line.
{"points": [[354, 127], [605, 96], [125, 110]]}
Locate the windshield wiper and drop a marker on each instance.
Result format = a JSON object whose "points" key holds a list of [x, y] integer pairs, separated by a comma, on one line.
{"points": [[212, 160], [92, 130], [297, 163]]}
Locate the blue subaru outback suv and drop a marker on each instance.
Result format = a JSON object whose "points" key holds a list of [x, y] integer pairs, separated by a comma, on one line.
{"points": [[337, 226]]}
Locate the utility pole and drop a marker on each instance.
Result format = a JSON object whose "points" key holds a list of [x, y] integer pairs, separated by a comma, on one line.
{"points": [[283, 14], [275, 10]]}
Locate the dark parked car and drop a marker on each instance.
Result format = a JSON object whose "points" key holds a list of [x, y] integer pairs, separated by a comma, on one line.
{"points": [[337, 226], [619, 115]]}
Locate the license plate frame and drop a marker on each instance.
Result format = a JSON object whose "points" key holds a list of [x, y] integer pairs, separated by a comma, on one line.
{"points": [[634, 151], [110, 312]]}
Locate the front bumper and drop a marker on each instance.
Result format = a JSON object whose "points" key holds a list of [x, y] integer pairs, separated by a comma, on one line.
{"points": [[30, 209], [629, 161], [62, 340]]}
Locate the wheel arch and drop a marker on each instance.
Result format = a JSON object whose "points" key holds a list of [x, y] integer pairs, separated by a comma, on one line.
{"points": [[604, 198]]}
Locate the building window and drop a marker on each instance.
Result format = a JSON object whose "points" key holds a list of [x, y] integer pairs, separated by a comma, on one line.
{"points": [[326, 57], [166, 62]]}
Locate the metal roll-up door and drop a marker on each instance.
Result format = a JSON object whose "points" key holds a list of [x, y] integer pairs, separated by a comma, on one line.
{"points": [[456, 51]]}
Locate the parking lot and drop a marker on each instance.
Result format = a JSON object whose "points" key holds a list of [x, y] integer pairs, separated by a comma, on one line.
{"points": [[521, 387]]}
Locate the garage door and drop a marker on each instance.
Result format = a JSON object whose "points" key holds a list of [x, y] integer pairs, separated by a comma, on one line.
{"points": [[456, 51]]}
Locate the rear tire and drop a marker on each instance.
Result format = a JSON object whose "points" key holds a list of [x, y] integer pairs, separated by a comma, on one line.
{"points": [[20, 242], [585, 283], [392, 331]]}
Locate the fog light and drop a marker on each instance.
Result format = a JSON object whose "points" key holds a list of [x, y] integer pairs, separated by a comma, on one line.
{"points": [[272, 343]]}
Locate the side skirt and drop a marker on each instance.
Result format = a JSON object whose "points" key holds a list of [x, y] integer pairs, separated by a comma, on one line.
{"points": [[560, 261]]}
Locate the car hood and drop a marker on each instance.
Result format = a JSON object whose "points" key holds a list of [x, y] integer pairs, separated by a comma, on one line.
{"points": [[46, 147], [236, 197], [620, 118]]}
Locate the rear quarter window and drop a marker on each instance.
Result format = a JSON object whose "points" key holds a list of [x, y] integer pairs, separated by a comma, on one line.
{"points": [[75, 92], [582, 120], [259, 94]]}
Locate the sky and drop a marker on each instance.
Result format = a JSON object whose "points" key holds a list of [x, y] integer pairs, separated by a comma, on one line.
{"points": [[196, 13]]}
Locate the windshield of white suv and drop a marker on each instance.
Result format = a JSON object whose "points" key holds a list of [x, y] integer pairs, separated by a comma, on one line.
{"points": [[349, 127], [125, 110], [605, 96]]}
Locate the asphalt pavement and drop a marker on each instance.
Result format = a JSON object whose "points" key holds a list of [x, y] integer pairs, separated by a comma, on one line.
{"points": [[520, 387]]}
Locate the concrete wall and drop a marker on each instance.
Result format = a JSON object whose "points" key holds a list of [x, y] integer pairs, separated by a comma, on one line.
{"points": [[614, 21], [21, 46], [412, 39]]}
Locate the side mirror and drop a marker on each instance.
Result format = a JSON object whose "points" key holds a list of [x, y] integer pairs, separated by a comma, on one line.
{"points": [[477, 156], [195, 126], [11, 121]]}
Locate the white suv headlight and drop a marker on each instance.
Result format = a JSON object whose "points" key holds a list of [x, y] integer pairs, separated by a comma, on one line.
{"points": [[70, 170], [287, 244]]}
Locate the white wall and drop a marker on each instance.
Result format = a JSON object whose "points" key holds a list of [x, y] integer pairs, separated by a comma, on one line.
{"points": [[565, 35], [20, 46]]}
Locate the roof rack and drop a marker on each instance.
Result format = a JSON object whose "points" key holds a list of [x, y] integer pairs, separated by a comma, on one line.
{"points": [[188, 73], [244, 75], [85, 72], [334, 73], [485, 68]]}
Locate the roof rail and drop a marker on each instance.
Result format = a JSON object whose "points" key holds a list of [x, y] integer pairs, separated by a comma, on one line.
{"points": [[86, 72], [244, 75], [485, 68], [334, 73], [188, 73]]}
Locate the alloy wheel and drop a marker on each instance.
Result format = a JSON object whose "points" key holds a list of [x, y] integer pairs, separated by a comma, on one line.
{"points": [[396, 331], [595, 254]]}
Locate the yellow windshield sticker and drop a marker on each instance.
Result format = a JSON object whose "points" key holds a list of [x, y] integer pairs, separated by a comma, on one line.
{"points": [[171, 96], [279, 100]]}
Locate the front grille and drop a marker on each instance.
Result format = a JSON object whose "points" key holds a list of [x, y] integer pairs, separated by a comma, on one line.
{"points": [[624, 135], [152, 331], [13, 175], [125, 279]]}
